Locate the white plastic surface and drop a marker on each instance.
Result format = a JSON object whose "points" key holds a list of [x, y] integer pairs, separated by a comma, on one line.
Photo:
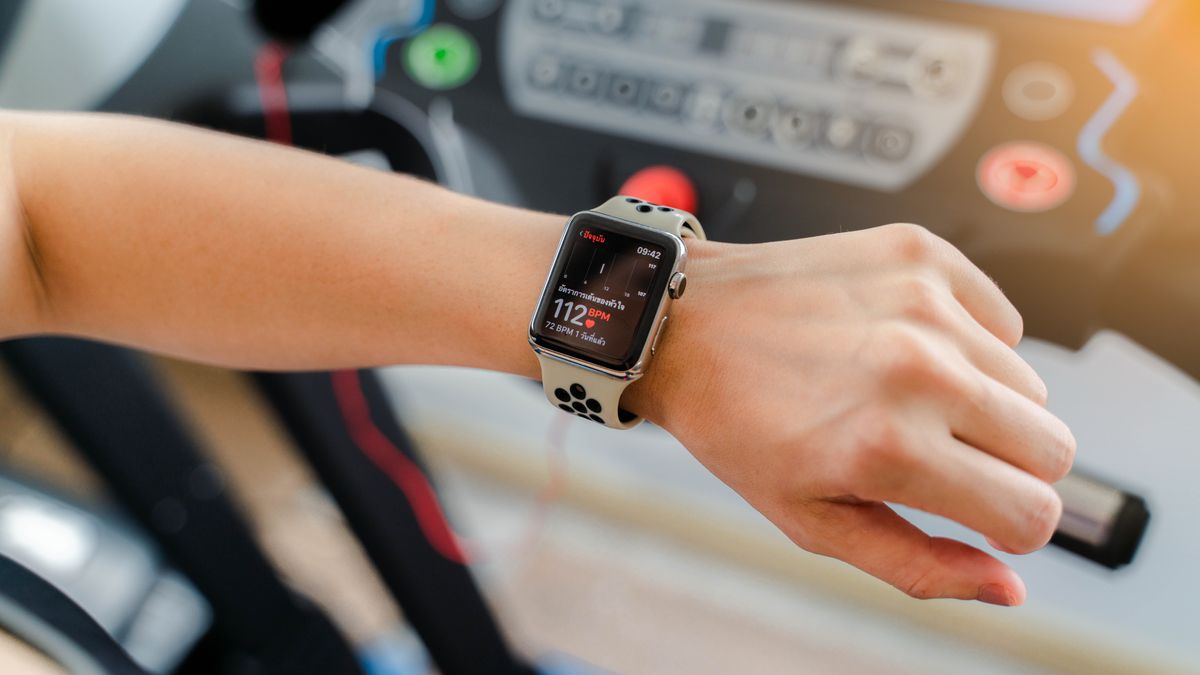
{"points": [[71, 54]]}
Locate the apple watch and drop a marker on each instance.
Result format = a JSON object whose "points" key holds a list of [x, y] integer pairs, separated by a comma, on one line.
{"points": [[606, 303]]}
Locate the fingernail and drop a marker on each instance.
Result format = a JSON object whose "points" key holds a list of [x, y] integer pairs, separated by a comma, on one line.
{"points": [[995, 594]]}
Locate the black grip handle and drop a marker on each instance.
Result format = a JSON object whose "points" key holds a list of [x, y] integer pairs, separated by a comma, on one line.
{"points": [[1100, 522]]}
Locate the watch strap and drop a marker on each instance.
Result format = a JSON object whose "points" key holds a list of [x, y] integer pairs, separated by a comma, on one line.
{"points": [[679, 223], [590, 394], [587, 394]]}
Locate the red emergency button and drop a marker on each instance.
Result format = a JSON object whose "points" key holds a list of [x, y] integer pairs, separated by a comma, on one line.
{"points": [[1026, 176], [663, 185]]}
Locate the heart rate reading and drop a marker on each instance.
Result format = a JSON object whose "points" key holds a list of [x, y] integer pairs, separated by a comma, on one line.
{"points": [[602, 291]]}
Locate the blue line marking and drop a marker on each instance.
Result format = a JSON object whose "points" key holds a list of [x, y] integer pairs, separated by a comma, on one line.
{"points": [[1128, 190], [391, 34]]}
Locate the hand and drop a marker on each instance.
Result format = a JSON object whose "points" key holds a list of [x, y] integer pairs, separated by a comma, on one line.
{"points": [[820, 378]]}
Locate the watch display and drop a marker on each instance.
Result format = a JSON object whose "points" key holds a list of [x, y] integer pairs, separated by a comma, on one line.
{"points": [[605, 290]]}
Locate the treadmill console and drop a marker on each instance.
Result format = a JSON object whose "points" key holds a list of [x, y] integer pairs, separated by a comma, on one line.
{"points": [[863, 97]]}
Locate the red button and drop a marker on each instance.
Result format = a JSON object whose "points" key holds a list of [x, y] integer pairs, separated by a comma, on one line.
{"points": [[1026, 176], [663, 185]]}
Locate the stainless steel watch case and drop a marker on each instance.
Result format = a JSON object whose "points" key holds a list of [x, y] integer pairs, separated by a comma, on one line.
{"points": [[645, 354]]}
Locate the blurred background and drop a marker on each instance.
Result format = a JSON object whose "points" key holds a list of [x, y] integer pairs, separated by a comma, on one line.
{"points": [[163, 517]]}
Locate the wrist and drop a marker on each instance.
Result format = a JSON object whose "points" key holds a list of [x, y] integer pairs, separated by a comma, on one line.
{"points": [[670, 386], [530, 242]]}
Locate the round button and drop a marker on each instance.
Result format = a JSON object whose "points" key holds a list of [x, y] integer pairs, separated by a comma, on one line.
{"points": [[545, 72], [861, 62], [936, 70], [842, 134], [562, 395], [624, 89], [585, 81], [579, 407], [749, 114], [578, 391], [667, 98], [662, 184], [608, 18], [1026, 176], [594, 405], [796, 126], [1038, 91], [890, 143], [677, 285], [443, 57], [703, 109]]}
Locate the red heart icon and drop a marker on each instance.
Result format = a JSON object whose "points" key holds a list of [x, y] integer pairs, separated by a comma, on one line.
{"points": [[589, 323]]}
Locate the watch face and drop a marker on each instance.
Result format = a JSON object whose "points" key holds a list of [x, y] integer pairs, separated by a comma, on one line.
{"points": [[604, 291]]}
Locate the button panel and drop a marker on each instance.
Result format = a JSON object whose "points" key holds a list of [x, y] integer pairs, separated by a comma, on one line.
{"points": [[859, 96]]}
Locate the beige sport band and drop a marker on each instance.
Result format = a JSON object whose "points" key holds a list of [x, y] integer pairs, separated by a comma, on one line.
{"points": [[596, 395]]}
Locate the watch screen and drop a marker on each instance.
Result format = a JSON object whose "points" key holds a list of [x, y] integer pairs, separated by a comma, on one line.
{"points": [[604, 291]]}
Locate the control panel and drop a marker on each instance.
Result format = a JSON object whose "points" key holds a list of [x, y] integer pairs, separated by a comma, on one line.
{"points": [[865, 98]]}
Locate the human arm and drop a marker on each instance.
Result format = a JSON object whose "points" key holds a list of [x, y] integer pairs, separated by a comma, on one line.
{"points": [[244, 254], [819, 378]]}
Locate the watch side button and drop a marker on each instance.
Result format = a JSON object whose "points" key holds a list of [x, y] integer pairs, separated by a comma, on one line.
{"points": [[662, 326], [677, 285]]}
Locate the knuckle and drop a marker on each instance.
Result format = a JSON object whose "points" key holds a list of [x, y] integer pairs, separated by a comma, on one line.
{"points": [[1010, 327], [1064, 452], [920, 587], [1040, 393], [1018, 325], [808, 541], [923, 300], [904, 353], [912, 362], [1042, 518], [802, 527], [881, 438], [1009, 324], [912, 242], [971, 396], [881, 460], [917, 579]]}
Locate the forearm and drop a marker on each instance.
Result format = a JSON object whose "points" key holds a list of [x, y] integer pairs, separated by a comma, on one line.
{"points": [[244, 254]]}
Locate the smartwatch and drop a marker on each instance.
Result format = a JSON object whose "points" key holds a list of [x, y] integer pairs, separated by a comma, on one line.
{"points": [[606, 303]]}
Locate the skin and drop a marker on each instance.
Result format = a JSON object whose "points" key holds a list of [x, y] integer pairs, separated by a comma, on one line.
{"points": [[820, 378]]}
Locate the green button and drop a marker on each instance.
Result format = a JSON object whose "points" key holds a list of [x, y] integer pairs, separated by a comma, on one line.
{"points": [[442, 57]]}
